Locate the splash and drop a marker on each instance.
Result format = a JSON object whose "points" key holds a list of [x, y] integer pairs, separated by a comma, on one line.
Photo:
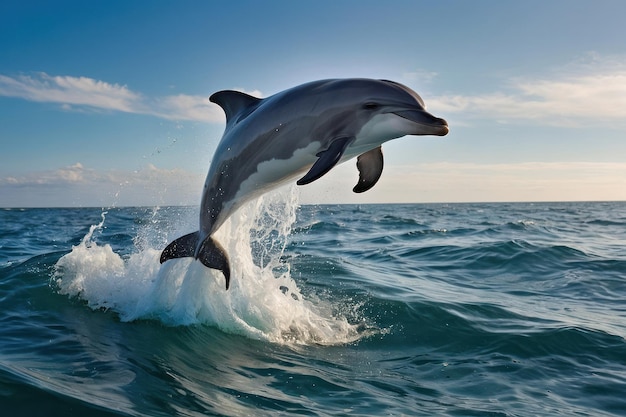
{"points": [[264, 302]]}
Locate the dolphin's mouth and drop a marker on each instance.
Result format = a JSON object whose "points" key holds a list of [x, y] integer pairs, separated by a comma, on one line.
{"points": [[442, 130], [434, 125]]}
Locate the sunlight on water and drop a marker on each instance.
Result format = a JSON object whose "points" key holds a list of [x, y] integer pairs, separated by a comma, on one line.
{"points": [[264, 302]]}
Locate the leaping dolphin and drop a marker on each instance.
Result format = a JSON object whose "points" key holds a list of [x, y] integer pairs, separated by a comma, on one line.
{"points": [[307, 130]]}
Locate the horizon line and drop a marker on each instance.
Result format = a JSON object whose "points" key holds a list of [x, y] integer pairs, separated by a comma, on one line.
{"points": [[319, 204]]}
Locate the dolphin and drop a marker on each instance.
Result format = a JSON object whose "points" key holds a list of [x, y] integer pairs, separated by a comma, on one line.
{"points": [[300, 132]]}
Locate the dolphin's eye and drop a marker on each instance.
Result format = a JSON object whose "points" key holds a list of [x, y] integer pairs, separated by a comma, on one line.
{"points": [[371, 106]]}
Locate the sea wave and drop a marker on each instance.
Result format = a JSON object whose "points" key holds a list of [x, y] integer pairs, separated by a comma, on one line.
{"points": [[468, 309], [260, 303]]}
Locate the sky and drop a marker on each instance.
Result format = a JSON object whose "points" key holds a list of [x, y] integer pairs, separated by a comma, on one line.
{"points": [[105, 103]]}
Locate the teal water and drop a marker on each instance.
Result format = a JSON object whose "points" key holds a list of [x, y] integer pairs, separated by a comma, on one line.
{"points": [[433, 309]]}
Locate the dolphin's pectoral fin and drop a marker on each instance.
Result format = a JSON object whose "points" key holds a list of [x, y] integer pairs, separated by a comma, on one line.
{"points": [[370, 166], [326, 160], [212, 255], [182, 247]]}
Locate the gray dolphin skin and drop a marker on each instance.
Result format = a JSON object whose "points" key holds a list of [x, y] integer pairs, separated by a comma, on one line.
{"points": [[300, 132]]}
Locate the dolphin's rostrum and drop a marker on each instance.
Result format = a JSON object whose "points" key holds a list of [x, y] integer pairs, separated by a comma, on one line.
{"points": [[301, 132]]}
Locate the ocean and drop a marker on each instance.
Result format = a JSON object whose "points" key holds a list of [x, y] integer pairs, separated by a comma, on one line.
{"points": [[507, 309]]}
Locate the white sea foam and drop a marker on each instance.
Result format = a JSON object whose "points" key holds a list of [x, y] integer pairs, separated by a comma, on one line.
{"points": [[263, 301]]}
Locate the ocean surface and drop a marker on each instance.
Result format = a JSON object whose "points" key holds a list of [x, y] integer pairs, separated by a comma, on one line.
{"points": [[373, 310]]}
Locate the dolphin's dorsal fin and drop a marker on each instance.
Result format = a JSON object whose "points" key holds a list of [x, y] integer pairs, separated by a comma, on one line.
{"points": [[327, 159], [370, 166], [234, 103]]}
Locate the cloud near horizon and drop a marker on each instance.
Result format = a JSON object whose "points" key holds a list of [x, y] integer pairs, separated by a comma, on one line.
{"points": [[472, 182], [79, 186]]}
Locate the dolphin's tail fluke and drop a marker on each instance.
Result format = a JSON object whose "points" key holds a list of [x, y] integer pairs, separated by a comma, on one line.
{"points": [[213, 255], [210, 253], [182, 247]]}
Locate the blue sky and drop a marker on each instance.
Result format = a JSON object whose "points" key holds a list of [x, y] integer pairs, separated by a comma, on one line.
{"points": [[105, 103]]}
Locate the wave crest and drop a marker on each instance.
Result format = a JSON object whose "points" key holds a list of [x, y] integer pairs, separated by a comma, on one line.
{"points": [[264, 302]]}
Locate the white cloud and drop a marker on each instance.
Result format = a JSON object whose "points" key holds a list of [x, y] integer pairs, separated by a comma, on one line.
{"points": [[74, 174], [596, 97], [590, 91], [80, 93], [186, 107]]}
